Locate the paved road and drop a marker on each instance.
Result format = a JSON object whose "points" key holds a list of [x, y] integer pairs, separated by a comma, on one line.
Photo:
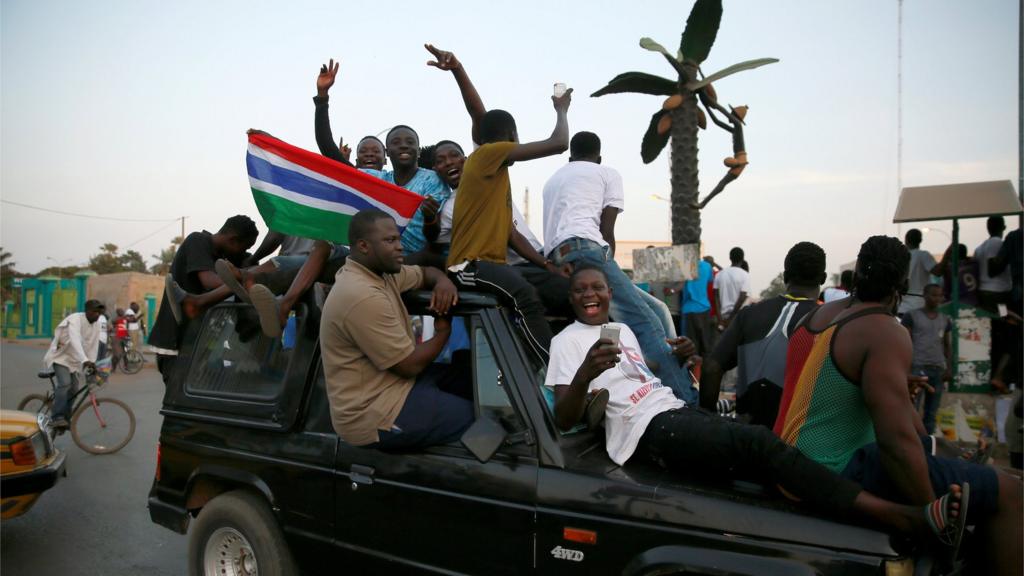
{"points": [[95, 521]]}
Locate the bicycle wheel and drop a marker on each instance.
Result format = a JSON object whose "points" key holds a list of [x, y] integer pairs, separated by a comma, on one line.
{"points": [[132, 362], [36, 403], [102, 427]]}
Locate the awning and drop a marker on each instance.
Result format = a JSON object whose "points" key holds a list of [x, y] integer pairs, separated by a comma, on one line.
{"points": [[969, 200]]}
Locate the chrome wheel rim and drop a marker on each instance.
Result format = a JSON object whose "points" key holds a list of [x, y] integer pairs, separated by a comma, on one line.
{"points": [[228, 553]]}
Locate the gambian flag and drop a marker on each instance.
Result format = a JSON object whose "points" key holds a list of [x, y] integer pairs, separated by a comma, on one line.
{"points": [[305, 194]]}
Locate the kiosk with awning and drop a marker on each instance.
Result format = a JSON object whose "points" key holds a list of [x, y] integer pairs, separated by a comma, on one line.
{"points": [[957, 202]]}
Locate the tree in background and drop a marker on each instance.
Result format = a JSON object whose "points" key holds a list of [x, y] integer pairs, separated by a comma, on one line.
{"points": [[166, 257], [681, 117], [108, 261], [7, 275], [777, 287]]}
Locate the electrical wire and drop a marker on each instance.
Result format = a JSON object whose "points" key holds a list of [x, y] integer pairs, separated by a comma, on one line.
{"points": [[153, 233], [40, 208]]}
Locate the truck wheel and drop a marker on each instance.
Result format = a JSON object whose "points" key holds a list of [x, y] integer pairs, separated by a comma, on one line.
{"points": [[237, 535]]}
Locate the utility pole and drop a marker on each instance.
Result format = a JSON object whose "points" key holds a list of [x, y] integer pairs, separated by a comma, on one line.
{"points": [[183, 228], [899, 107]]}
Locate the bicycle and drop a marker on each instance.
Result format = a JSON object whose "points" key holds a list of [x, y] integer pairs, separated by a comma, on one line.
{"points": [[98, 425], [132, 360]]}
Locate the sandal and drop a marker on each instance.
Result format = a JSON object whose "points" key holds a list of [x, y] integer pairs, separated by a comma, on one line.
{"points": [[173, 295], [226, 272], [267, 308], [949, 531], [593, 410]]}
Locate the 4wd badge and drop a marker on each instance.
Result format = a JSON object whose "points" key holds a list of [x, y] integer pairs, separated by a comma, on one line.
{"points": [[566, 554]]}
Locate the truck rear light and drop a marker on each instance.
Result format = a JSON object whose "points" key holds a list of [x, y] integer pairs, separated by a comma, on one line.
{"points": [[157, 474], [23, 452], [579, 535]]}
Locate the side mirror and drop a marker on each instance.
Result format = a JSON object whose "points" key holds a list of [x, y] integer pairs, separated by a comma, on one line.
{"points": [[484, 437]]}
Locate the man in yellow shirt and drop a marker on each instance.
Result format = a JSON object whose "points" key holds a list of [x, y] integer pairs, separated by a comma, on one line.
{"points": [[482, 221]]}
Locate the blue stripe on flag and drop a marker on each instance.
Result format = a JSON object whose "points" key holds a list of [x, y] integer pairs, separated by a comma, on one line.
{"points": [[302, 184]]}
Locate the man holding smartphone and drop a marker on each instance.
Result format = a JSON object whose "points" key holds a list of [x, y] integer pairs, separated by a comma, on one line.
{"points": [[582, 200], [645, 421]]}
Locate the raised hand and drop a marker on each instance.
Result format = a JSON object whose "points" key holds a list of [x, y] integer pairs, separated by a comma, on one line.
{"points": [[326, 78], [430, 207], [345, 149], [444, 60], [562, 102]]}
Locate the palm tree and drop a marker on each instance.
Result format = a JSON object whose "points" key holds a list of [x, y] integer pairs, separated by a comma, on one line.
{"points": [[681, 116]]}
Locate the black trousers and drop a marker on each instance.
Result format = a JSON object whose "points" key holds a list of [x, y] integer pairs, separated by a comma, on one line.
{"points": [[511, 289], [695, 442], [699, 327], [553, 289]]}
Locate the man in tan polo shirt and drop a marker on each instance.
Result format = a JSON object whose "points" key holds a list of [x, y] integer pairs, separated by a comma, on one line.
{"points": [[383, 390]]}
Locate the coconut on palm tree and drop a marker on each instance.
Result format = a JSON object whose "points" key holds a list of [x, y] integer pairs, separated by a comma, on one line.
{"points": [[680, 117]]}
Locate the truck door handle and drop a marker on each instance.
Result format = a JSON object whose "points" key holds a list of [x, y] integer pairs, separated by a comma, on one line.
{"points": [[361, 475]]}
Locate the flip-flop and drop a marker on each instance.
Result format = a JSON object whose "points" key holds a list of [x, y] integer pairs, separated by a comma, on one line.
{"points": [[172, 296], [266, 306], [223, 269], [949, 531], [594, 410]]}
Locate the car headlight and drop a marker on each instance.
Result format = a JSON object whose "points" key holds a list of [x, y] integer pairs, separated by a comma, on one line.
{"points": [[899, 567]]}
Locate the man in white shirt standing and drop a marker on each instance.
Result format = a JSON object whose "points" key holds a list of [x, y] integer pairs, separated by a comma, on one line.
{"points": [[993, 291], [732, 286], [75, 346], [922, 268], [581, 202]]}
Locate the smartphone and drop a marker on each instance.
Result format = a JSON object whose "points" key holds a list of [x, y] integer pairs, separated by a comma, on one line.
{"points": [[611, 333], [560, 89], [1002, 310]]}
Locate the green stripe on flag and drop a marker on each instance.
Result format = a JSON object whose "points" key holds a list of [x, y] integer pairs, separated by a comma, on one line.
{"points": [[294, 219]]}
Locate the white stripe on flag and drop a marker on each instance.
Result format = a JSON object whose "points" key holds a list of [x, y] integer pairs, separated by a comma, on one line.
{"points": [[337, 207], [280, 162]]}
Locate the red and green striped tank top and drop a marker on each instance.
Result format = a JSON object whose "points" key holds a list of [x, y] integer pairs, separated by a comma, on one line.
{"points": [[822, 412]]}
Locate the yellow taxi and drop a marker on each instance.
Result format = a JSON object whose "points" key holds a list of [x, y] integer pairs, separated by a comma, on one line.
{"points": [[29, 463]]}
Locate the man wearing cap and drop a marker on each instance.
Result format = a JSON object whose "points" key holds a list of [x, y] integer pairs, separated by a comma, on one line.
{"points": [[76, 342]]}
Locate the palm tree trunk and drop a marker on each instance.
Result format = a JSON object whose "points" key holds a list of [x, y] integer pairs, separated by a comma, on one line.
{"points": [[685, 179]]}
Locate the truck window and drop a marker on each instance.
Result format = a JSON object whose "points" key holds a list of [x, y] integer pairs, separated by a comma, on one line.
{"points": [[489, 384], [233, 358]]}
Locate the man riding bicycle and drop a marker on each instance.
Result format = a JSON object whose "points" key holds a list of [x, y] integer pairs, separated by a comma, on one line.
{"points": [[74, 349]]}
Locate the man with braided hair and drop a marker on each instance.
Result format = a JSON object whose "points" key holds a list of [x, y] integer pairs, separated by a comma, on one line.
{"points": [[846, 405]]}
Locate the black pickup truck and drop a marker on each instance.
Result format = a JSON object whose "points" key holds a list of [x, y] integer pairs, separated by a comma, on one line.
{"points": [[248, 457]]}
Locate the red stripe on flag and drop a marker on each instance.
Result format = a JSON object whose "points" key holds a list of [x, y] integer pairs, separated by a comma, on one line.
{"points": [[401, 200]]}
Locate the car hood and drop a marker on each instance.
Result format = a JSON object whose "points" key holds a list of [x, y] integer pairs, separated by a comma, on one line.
{"points": [[14, 423], [594, 484]]}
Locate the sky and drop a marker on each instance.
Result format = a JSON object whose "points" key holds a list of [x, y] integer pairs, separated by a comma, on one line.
{"points": [[138, 109]]}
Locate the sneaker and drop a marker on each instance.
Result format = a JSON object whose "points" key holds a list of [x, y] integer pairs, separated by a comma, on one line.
{"points": [[60, 423]]}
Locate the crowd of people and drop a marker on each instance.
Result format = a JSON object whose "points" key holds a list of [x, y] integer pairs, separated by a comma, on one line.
{"points": [[826, 389]]}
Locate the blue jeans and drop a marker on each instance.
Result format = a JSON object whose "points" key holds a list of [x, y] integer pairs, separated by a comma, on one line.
{"points": [[930, 400], [632, 309], [661, 312], [67, 385]]}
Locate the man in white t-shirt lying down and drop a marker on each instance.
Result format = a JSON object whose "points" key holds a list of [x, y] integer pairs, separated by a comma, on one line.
{"points": [[645, 420]]}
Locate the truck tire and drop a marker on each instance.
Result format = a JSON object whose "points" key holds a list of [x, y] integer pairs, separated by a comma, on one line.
{"points": [[236, 534]]}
